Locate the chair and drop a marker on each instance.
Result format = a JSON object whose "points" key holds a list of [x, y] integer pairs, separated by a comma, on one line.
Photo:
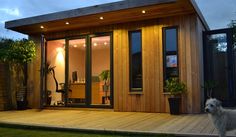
{"points": [[62, 90]]}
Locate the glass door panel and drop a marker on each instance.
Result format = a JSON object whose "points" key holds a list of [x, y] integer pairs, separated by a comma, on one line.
{"points": [[55, 73], [219, 64], [100, 76], [77, 72]]}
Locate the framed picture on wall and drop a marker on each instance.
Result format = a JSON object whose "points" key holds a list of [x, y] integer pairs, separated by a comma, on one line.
{"points": [[171, 61]]}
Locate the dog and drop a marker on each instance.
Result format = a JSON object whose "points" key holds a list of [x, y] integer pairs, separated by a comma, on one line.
{"points": [[223, 119]]}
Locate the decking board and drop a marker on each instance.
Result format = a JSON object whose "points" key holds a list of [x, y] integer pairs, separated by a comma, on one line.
{"points": [[188, 125]]}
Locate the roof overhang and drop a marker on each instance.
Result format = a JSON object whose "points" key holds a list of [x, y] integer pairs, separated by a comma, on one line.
{"points": [[112, 13]]}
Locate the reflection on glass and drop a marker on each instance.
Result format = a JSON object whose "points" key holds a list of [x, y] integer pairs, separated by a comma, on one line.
{"points": [[171, 39], [77, 57], [171, 61], [171, 52], [217, 64], [55, 69], [219, 40], [136, 61], [100, 70]]}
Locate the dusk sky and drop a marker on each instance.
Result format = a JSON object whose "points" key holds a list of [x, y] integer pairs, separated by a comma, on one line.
{"points": [[218, 13]]}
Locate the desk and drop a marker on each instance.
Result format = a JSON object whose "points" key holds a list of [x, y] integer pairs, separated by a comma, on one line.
{"points": [[78, 90]]}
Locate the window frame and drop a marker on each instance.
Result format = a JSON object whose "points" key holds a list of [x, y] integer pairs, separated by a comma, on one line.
{"points": [[165, 53], [134, 90]]}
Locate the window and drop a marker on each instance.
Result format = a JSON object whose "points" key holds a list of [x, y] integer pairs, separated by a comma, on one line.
{"points": [[135, 51], [170, 47]]}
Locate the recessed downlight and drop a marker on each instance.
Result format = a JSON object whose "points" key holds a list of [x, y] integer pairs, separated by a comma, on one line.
{"points": [[41, 27], [101, 18], [143, 11], [67, 23]]}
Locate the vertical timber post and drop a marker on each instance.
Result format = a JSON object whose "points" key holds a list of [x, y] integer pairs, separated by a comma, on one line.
{"points": [[42, 71]]}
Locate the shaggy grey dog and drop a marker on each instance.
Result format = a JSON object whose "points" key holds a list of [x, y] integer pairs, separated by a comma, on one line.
{"points": [[223, 119]]}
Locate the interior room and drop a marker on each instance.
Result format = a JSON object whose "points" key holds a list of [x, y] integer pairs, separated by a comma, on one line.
{"points": [[98, 65]]}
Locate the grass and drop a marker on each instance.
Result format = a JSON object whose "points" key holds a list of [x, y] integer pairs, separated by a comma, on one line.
{"points": [[22, 132]]}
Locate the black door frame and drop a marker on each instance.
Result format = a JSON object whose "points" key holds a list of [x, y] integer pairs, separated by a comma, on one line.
{"points": [[89, 65], [43, 74], [88, 70], [230, 61]]}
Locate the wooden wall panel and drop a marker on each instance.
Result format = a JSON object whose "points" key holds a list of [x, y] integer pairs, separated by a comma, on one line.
{"points": [[33, 83], [152, 99], [199, 31], [4, 81]]}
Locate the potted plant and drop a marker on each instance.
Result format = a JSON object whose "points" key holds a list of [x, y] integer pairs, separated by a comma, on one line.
{"points": [[17, 54], [176, 89], [49, 70], [105, 76], [49, 97]]}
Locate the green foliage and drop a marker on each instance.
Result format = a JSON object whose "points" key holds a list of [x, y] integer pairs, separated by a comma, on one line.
{"points": [[17, 51], [174, 86], [232, 24], [105, 75], [5, 45]]}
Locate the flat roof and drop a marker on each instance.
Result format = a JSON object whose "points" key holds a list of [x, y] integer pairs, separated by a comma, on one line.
{"points": [[111, 13]]}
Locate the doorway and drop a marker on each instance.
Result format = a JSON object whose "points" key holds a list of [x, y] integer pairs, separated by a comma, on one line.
{"points": [[82, 72], [219, 65]]}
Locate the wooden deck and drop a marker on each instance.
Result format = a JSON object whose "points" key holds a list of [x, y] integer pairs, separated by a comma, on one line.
{"points": [[183, 125]]}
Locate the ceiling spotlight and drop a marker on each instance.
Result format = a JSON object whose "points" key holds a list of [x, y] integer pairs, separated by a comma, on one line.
{"points": [[41, 27], [101, 18], [143, 11], [67, 23]]}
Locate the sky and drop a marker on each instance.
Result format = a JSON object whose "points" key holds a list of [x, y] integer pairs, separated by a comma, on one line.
{"points": [[218, 13]]}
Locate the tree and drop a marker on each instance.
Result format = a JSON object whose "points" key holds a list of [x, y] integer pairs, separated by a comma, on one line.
{"points": [[16, 53], [232, 24]]}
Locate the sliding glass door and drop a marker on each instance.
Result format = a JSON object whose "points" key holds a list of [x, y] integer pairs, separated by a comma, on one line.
{"points": [[79, 71], [100, 70], [220, 65], [55, 73]]}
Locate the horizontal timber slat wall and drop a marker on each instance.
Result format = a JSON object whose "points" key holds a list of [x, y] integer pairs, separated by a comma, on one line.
{"points": [[190, 62]]}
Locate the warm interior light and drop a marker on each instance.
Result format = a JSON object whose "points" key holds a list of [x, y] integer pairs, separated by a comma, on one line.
{"points": [[95, 44], [84, 45], [75, 46], [143, 11], [41, 27], [67, 23], [105, 43], [101, 18], [60, 56]]}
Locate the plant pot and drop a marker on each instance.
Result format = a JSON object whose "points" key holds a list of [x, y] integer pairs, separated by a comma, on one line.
{"points": [[105, 88], [22, 105], [174, 103], [49, 99]]}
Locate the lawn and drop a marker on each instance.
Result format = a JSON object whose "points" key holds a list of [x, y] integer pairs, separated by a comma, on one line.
{"points": [[17, 132]]}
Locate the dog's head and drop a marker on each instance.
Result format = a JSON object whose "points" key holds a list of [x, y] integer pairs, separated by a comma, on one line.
{"points": [[212, 105]]}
